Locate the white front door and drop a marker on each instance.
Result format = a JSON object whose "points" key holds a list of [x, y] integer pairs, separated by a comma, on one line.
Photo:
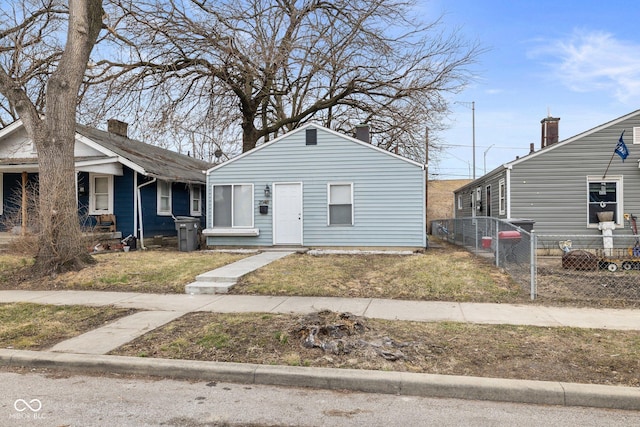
{"points": [[287, 214]]}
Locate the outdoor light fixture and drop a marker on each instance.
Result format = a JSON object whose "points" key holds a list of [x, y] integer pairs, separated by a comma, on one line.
{"points": [[267, 191]]}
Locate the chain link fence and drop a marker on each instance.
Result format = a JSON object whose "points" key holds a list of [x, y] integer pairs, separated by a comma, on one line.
{"points": [[557, 267], [589, 267], [507, 244]]}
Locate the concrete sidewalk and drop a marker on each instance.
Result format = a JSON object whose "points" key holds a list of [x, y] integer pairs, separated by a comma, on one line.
{"points": [[87, 352], [420, 311]]}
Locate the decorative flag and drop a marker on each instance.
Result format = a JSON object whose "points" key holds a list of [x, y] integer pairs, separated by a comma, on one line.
{"points": [[621, 148]]}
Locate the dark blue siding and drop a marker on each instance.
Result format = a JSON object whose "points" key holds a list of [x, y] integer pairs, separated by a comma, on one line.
{"points": [[123, 202], [123, 206], [12, 196]]}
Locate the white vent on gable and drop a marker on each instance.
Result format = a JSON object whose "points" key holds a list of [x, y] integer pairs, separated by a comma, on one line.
{"points": [[636, 135]]}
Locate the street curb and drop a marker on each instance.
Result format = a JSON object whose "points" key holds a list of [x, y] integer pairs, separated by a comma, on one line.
{"points": [[399, 383]]}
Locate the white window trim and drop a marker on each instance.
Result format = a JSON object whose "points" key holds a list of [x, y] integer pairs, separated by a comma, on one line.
{"points": [[234, 230], [459, 201], [92, 202], [195, 190], [159, 211], [618, 179], [636, 135], [502, 197], [329, 184]]}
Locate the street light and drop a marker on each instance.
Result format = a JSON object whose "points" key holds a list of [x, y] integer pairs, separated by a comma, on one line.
{"points": [[472, 105], [485, 158]]}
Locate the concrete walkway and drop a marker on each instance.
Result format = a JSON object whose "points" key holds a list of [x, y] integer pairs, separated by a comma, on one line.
{"points": [[220, 280], [88, 351]]}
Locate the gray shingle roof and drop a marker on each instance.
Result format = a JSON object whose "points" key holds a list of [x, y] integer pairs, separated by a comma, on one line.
{"points": [[155, 161]]}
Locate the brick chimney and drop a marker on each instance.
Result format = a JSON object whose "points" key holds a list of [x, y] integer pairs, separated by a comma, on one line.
{"points": [[549, 131], [362, 132], [117, 127]]}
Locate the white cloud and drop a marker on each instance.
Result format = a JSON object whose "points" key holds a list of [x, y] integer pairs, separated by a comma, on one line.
{"points": [[595, 61]]}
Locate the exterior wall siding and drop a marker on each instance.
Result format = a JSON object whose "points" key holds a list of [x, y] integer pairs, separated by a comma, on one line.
{"points": [[552, 187], [388, 192], [468, 191]]}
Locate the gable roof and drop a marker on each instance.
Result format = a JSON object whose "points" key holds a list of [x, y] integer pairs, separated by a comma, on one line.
{"points": [[574, 138], [552, 147], [147, 159], [303, 128]]}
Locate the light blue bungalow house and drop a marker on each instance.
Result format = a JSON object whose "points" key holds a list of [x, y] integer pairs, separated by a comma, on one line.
{"points": [[315, 187], [139, 187]]}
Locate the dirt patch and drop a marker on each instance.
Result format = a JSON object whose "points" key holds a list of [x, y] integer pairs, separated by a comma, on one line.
{"points": [[342, 340]]}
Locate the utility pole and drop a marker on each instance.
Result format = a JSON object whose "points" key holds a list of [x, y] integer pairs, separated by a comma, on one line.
{"points": [[426, 180], [472, 105]]}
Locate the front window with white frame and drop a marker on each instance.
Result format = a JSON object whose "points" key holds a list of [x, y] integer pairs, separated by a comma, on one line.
{"points": [[100, 194], [502, 197], [195, 200], [340, 204], [604, 195], [233, 206], [164, 198]]}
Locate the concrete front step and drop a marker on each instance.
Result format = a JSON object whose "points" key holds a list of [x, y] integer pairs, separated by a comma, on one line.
{"points": [[203, 288]]}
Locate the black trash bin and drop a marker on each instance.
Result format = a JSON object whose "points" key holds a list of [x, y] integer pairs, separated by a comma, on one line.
{"points": [[187, 228]]}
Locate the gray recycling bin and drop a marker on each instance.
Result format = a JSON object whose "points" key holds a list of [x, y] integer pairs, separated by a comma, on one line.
{"points": [[187, 228]]}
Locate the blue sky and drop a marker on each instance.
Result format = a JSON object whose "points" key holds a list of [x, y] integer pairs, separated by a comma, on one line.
{"points": [[577, 60]]}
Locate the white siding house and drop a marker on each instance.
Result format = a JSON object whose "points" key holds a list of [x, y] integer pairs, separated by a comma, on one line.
{"points": [[317, 188]]}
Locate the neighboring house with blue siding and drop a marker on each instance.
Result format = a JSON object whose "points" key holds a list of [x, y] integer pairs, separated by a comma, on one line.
{"points": [[143, 186], [563, 185], [315, 187]]}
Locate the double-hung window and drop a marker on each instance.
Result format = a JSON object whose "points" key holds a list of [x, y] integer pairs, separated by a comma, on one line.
{"points": [[164, 198], [233, 206], [604, 195], [340, 204], [502, 197], [100, 194], [196, 200]]}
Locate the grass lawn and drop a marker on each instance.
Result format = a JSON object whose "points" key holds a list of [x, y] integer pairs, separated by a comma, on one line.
{"points": [[444, 274], [497, 351], [440, 274], [152, 271], [27, 326]]}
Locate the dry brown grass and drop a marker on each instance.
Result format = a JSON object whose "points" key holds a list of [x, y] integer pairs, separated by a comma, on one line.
{"points": [[33, 327], [445, 274], [154, 271], [441, 203], [498, 351]]}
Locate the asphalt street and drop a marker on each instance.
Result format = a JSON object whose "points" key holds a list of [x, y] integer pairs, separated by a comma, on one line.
{"points": [[49, 399]]}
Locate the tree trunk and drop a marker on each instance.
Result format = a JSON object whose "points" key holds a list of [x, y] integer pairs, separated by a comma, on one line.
{"points": [[60, 244], [249, 136]]}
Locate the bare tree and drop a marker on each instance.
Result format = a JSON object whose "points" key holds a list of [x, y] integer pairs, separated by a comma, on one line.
{"points": [[41, 82], [270, 66]]}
